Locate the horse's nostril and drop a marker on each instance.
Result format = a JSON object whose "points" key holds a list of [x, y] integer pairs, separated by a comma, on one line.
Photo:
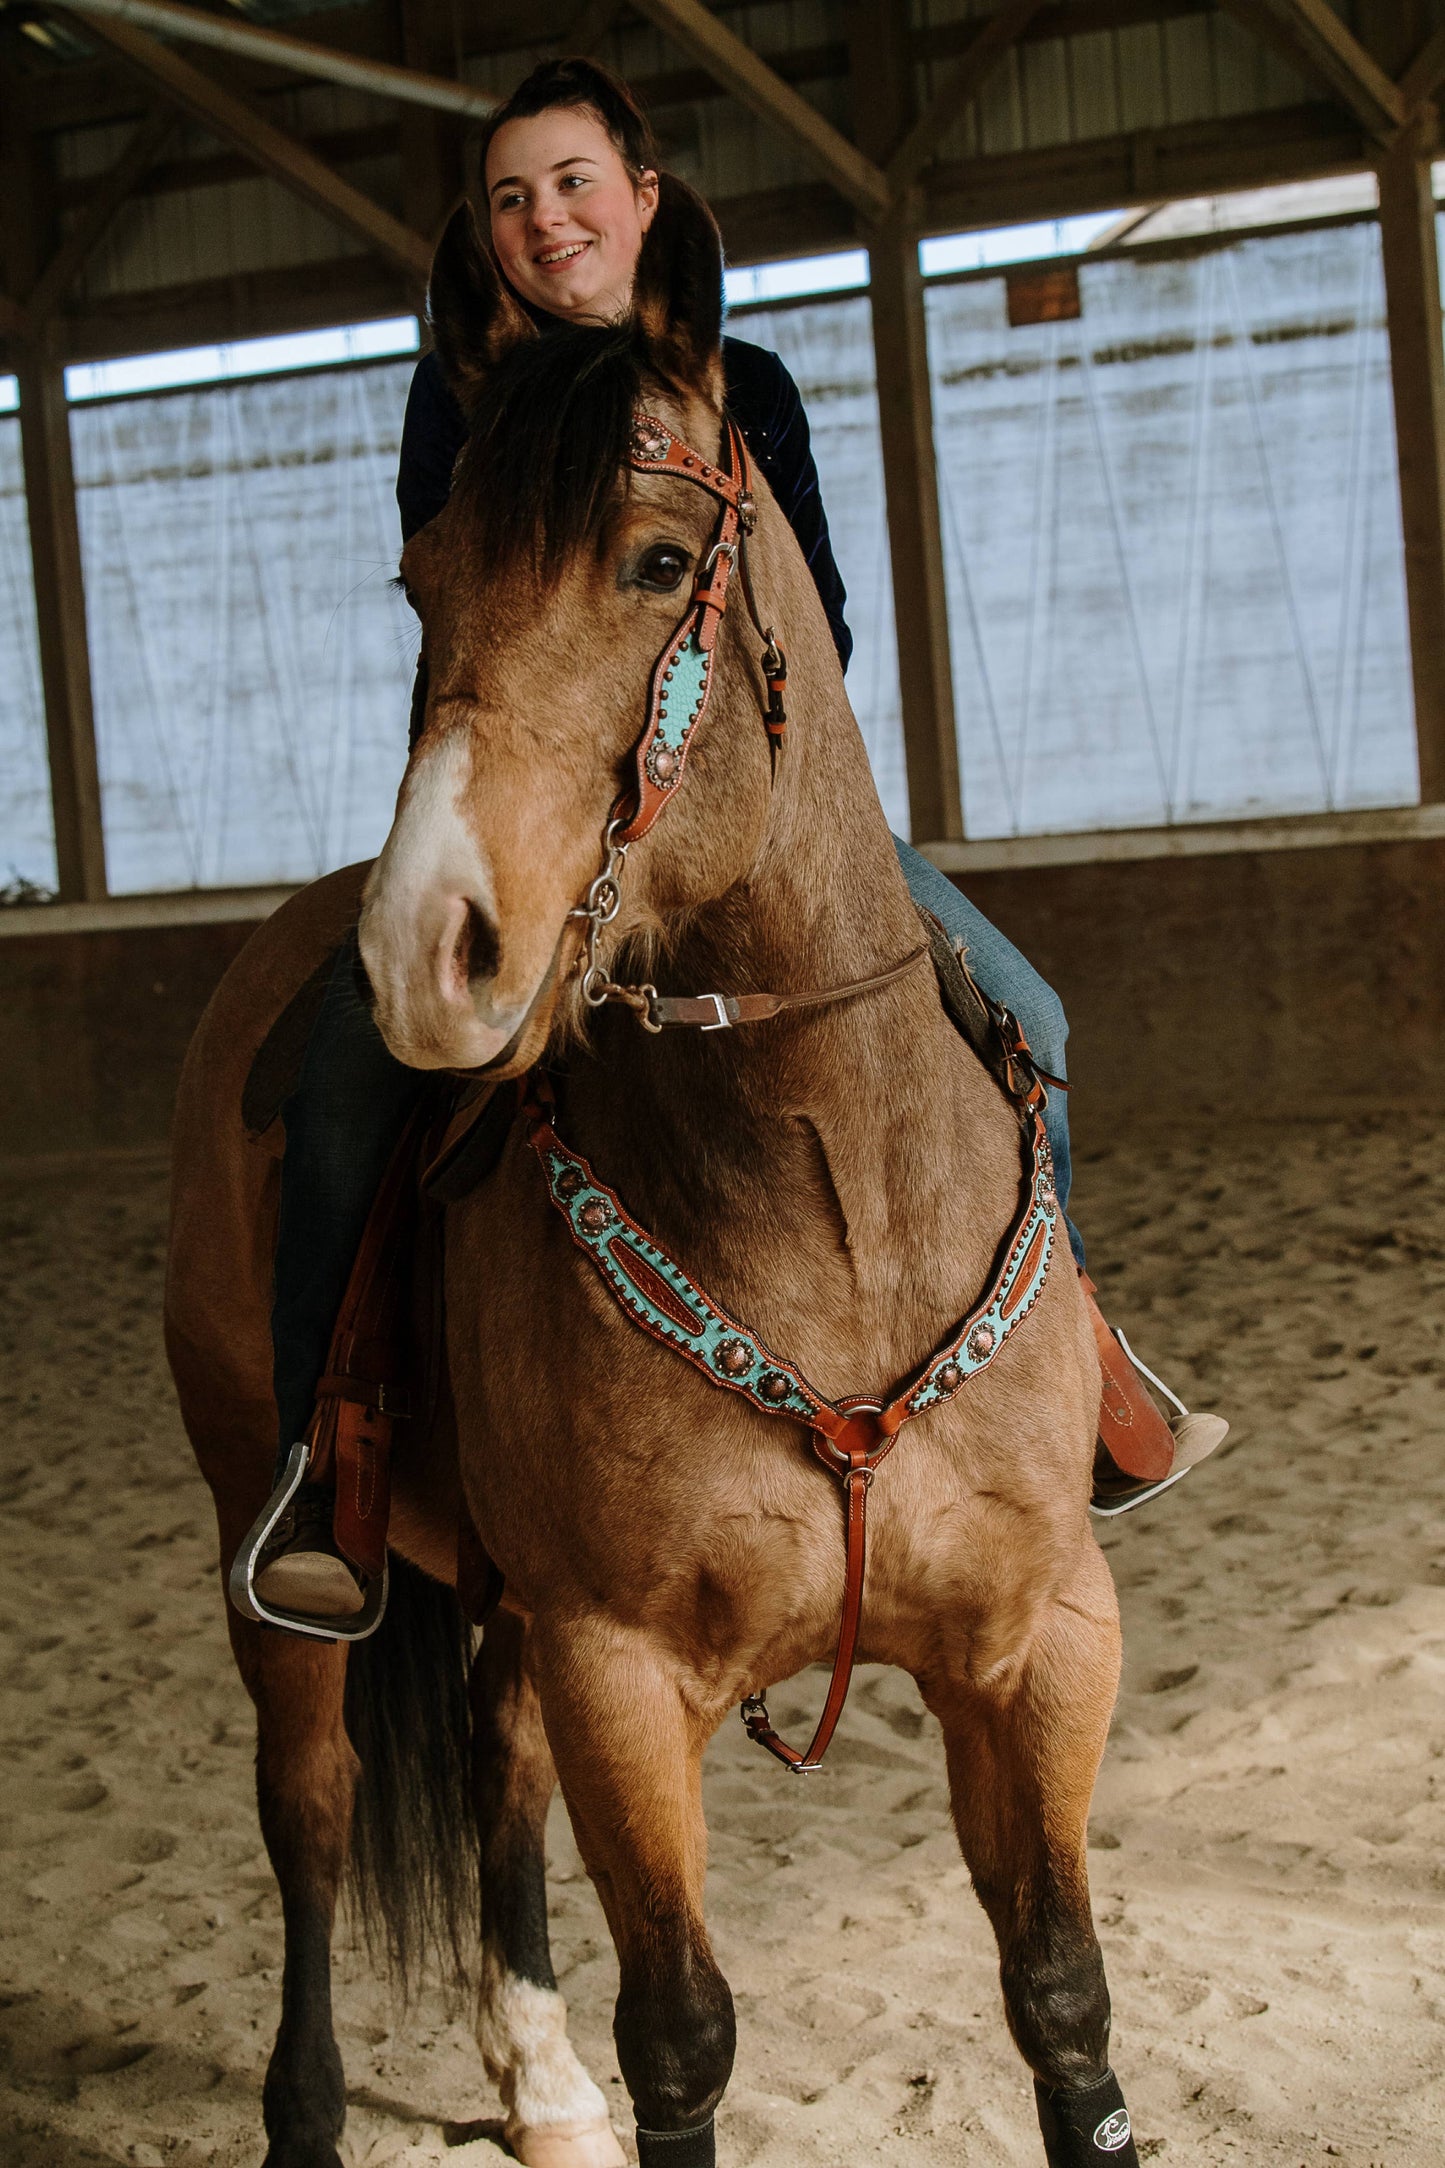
{"points": [[477, 952]]}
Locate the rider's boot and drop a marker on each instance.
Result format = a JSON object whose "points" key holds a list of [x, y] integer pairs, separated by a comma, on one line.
{"points": [[291, 1571], [300, 1567], [1139, 1451]]}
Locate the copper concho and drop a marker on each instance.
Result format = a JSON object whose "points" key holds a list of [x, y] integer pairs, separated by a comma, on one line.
{"points": [[594, 1217], [570, 1180], [733, 1358], [982, 1341]]}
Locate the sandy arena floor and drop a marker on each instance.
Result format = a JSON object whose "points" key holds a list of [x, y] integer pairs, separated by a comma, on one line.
{"points": [[1266, 1858]]}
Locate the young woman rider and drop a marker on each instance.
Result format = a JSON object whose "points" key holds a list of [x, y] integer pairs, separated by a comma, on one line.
{"points": [[571, 187]]}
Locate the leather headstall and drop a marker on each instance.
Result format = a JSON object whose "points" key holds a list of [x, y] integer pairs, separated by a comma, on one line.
{"points": [[682, 675]]}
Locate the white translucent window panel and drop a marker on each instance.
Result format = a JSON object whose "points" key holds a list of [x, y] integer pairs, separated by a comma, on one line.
{"points": [[1172, 528], [27, 836], [251, 665], [828, 348]]}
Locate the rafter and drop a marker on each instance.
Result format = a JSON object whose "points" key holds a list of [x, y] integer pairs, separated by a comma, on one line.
{"points": [[279, 50], [963, 84], [1311, 34], [1426, 72], [268, 146], [759, 87], [94, 222]]}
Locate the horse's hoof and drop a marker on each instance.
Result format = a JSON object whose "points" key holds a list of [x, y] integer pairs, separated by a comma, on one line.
{"points": [[567, 2145]]}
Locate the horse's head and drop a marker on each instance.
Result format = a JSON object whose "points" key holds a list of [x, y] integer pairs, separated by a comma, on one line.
{"points": [[547, 590]]}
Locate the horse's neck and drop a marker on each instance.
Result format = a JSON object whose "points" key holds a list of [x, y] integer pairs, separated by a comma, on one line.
{"points": [[855, 1153]]}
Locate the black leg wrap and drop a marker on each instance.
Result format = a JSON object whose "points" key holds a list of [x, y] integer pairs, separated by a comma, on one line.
{"points": [[1086, 2126], [695, 2148]]}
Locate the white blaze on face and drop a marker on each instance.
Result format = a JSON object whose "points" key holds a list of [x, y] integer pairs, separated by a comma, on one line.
{"points": [[429, 935]]}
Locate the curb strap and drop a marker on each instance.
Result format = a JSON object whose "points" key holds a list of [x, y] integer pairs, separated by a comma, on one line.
{"points": [[851, 1436]]}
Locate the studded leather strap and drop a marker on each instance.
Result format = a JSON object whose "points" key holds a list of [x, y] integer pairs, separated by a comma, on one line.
{"points": [[851, 1436], [682, 675]]}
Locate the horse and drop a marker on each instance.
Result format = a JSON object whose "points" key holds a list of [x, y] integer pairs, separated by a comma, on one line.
{"points": [[840, 1176]]}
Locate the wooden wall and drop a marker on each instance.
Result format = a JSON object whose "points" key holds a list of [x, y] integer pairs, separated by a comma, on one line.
{"points": [[1260, 985]]}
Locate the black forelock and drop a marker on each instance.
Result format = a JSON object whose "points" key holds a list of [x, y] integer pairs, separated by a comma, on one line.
{"points": [[546, 458]]}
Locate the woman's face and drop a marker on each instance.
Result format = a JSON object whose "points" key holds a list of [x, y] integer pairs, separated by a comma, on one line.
{"points": [[567, 215]]}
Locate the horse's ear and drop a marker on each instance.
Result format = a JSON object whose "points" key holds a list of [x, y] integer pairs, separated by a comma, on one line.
{"points": [[677, 297], [475, 317]]}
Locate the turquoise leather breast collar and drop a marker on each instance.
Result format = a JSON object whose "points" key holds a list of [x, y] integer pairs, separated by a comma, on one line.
{"points": [[852, 1436]]}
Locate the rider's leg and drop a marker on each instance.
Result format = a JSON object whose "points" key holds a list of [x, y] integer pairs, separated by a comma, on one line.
{"points": [[342, 1121], [1139, 1451], [1006, 976]]}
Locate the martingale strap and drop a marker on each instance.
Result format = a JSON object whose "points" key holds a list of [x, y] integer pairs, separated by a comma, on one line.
{"points": [[850, 1436]]}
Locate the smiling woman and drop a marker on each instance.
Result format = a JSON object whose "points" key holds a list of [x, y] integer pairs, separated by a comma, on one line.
{"points": [[570, 199]]}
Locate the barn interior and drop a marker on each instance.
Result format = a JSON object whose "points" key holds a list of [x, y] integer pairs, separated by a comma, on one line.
{"points": [[1118, 325]]}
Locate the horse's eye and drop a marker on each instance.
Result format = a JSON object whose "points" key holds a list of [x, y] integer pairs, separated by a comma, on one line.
{"points": [[662, 568]]}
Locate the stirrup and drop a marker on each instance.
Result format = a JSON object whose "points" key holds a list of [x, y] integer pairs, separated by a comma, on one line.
{"points": [[241, 1585], [1145, 1490]]}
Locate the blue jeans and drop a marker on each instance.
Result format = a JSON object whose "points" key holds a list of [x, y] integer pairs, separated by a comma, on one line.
{"points": [[1008, 977], [352, 1099]]}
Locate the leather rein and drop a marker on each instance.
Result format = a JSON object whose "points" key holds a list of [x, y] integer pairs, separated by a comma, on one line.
{"points": [[853, 1435]]}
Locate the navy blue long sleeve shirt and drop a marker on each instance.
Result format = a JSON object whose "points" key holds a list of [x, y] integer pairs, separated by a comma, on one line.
{"points": [[764, 402]]}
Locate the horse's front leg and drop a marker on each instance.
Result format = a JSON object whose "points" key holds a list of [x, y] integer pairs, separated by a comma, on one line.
{"points": [[628, 1745], [305, 1785], [556, 2116], [1025, 1735]]}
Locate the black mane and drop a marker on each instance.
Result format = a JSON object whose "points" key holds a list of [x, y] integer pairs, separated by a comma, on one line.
{"points": [[546, 460]]}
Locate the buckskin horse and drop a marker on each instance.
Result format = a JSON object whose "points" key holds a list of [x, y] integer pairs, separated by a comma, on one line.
{"points": [[818, 1204]]}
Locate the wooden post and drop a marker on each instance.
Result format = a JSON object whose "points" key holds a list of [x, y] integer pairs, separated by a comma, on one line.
{"points": [[883, 105], [27, 236], [1417, 374], [60, 625]]}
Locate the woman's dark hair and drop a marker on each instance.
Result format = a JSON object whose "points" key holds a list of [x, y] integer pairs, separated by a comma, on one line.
{"points": [[575, 83]]}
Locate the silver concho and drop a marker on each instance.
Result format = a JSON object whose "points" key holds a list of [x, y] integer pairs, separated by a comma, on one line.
{"points": [[649, 441]]}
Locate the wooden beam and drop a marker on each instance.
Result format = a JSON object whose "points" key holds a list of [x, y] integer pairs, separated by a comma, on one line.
{"points": [[85, 236], [1417, 376], [998, 36], [1195, 158], [754, 84], [883, 107], [254, 305], [1310, 33], [27, 232], [60, 627], [229, 35], [269, 147], [1426, 71]]}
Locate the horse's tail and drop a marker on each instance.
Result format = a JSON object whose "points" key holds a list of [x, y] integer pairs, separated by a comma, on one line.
{"points": [[414, 1831]]}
